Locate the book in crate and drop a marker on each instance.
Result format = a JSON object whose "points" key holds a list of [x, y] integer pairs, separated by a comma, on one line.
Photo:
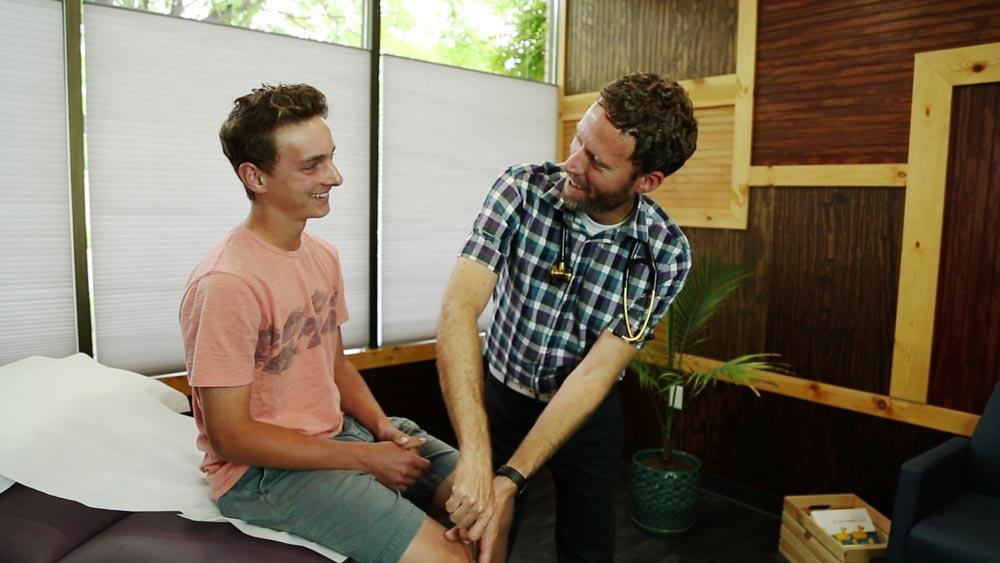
{"points": [[849, 526]]}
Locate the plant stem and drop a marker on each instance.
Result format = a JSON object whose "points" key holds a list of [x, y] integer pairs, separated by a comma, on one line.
{"points": [[667, 427]]}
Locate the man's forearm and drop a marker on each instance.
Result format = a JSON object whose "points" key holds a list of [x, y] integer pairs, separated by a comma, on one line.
{"points": [[460, 368], [577, 399]]}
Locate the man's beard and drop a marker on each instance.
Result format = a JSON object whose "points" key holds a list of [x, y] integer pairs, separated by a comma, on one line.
{"points": [[593, 202]]}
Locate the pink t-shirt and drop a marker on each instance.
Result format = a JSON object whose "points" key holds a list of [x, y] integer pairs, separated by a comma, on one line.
{"points": [[255, 314]]}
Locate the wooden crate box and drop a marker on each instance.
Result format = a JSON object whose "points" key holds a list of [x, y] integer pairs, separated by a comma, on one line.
{"points": [[803, 541]]}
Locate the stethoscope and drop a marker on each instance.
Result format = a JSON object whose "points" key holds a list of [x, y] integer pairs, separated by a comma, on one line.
{"points": [[560, 273]]}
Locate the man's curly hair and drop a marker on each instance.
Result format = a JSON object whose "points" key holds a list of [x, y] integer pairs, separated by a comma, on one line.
{"points": [[658, 114], [247, 135]]}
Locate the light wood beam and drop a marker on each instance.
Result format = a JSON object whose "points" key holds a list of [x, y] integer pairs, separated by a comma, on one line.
{"points": [[829, 175], [865, 402]]}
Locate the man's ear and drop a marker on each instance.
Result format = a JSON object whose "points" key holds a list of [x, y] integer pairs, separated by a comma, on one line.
{"points": [[252, 177], [649, 182]]}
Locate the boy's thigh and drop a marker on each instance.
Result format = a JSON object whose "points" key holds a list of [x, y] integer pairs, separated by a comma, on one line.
{"points": [[347, 511]]}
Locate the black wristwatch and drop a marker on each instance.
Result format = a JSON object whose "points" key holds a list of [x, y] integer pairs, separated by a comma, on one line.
{"points": [[514, 475]]}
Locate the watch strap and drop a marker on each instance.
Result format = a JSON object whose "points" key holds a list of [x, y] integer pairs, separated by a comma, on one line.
{"points": [[514, 475]]}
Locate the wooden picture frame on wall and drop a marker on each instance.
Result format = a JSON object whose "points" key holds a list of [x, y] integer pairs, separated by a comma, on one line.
{"points": [[935, 75]]}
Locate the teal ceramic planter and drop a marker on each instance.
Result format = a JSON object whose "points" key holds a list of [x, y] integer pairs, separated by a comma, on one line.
{"points": [[663, 501]]}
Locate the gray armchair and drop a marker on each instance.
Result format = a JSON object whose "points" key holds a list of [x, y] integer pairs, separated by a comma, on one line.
{"points": [[948, 500]]}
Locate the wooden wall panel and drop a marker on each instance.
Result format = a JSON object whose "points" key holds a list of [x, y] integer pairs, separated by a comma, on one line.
{"points": [[823, 294], [680, 38], [832, 299], [704, 182], [740, 326], [568, 132], [834, 78], [966, 360]]}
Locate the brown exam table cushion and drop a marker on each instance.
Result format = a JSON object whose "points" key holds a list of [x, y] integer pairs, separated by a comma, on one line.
{"points": [[39, 528]]}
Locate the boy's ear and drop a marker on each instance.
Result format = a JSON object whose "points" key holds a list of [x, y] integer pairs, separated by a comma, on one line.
{"points": [[251, 177]]}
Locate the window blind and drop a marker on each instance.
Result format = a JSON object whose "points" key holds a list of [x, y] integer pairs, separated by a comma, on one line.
{"points": [[161, 191], [37, 315], [447, 134]]}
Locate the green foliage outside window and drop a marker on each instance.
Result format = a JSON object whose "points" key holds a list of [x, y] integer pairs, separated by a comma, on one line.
{"points": [[332, 21], [499, 36]]}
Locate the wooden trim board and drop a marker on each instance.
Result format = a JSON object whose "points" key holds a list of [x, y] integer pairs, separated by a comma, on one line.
{"points": [[829, 175]]}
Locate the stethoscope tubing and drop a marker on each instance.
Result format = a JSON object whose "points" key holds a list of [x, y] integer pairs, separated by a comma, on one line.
{"points": [[561, 273]]}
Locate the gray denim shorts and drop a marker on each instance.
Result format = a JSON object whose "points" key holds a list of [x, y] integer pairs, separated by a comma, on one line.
{"points": [[345, 510]]}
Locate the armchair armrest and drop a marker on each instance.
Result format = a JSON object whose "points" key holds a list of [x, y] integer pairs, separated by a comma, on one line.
{"points": [[926, 482]]}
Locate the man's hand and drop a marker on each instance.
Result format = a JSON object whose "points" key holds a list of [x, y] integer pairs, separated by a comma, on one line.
{"points": [[470, 506], [395, 465], [386, 431], [493, 547]]}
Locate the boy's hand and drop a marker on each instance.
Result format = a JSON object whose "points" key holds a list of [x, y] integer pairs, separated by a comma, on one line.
{"points": [[387, 432], [396, 466]]}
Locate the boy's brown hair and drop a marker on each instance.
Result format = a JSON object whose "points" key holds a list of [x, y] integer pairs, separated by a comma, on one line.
{"points": [[247, 135]]}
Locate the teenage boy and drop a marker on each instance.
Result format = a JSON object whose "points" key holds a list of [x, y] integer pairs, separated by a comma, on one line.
{"points": [[293, 438]]}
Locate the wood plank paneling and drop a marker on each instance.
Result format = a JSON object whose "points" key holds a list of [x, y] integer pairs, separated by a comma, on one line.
{"points": [[965, 362], [701, 192], [834, 79], [823, 294], [832, 299], [679, 38], [740, 326], [568, 132]]}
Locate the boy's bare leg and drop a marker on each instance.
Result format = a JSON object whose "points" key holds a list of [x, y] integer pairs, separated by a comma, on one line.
{"points": [[430, 546]]}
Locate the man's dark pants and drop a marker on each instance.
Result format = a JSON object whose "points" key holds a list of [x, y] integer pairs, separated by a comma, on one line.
{"points": [[584, 469]]}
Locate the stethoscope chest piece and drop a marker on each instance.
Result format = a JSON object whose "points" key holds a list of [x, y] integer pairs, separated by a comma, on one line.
{"points": [[559, 273]]}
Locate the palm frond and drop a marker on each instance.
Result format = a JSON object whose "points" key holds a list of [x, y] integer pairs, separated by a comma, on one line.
{"points": [[742, 370], [661, 370], [708, 286]]}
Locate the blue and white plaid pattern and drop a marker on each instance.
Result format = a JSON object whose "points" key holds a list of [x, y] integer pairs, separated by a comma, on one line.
{"points": [[541, 330]]}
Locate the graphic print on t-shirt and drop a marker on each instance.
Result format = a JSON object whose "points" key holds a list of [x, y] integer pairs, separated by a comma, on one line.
{"points": [[276, 349]]}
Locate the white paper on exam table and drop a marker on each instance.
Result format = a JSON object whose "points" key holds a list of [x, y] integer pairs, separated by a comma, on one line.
{"points": [[107, 438]]}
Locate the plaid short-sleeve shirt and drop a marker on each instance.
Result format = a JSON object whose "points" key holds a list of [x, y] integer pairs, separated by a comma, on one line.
{"points": [[541, 330]]}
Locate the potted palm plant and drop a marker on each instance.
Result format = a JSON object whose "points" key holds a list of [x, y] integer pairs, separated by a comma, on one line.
{"points": [[665, 480]]}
